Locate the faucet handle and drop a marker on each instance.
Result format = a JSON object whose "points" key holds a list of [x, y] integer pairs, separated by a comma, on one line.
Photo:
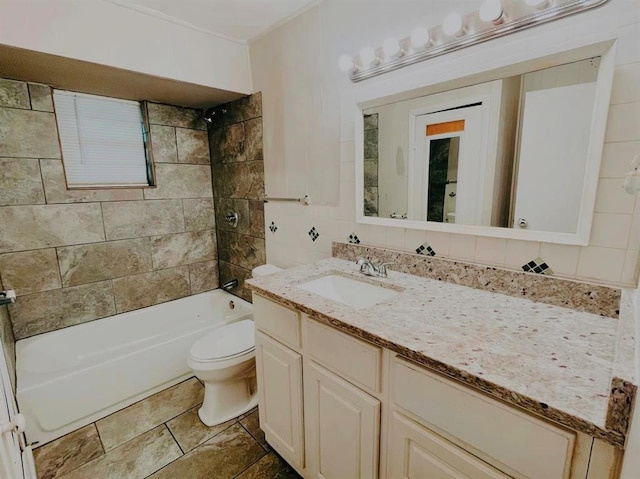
{"points": [[382, 268]]}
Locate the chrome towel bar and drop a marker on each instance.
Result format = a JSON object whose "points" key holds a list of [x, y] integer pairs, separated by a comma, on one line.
{"points": [[305, 199]]}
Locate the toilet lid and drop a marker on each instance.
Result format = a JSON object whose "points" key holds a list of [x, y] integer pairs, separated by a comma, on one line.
{"points": [[230, 340]]}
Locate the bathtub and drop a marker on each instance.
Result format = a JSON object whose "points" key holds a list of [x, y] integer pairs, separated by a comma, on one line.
{"points": [[74, 376]]}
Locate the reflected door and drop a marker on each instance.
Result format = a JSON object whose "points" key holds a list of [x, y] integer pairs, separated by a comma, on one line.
{"points": [[445, 186]]}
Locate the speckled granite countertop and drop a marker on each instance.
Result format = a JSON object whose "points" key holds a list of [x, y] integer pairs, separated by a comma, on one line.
{"points": [[558, 363]]}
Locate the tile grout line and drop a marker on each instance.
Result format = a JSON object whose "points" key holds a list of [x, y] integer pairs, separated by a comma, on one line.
{"points": [[174, 438]]}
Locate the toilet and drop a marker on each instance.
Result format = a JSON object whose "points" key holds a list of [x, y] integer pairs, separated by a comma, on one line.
{"points": [[224, 360]]}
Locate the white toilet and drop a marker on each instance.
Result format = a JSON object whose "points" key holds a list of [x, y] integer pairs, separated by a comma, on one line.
{"points": [[224, 360]]}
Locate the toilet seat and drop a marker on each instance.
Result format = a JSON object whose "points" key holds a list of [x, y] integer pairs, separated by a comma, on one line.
{"points": [[225, 343]]}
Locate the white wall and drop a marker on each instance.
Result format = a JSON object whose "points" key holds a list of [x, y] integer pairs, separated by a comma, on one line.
{"points": [[102, 32], [309, 132]]}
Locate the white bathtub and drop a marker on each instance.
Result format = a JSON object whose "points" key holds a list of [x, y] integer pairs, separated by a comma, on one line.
{"points": [[72, 377]]}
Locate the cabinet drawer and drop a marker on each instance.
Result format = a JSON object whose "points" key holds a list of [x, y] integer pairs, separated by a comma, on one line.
{"points": [[515, 442], [351, 358], [277, 321]]}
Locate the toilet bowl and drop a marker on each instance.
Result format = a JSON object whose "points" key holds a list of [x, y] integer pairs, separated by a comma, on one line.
{"points": [[224, 360]]}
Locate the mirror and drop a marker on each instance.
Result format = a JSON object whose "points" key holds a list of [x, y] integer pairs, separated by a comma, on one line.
{"points": [[516, 156]]}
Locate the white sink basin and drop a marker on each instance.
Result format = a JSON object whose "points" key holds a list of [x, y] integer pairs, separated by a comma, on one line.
{"points": [[354, 293]]}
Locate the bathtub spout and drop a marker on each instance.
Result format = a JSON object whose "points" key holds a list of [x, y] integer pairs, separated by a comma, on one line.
{"points": [[229, 285]]}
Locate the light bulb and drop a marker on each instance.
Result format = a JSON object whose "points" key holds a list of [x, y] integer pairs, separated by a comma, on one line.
{"points": [[536, 3], [391, 48], [367, 56], [491, 11], [419, 37], [452, 24], [345, 63]]}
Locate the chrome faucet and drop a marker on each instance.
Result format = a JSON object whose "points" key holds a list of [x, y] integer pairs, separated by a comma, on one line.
{"points": [[369, 269]]}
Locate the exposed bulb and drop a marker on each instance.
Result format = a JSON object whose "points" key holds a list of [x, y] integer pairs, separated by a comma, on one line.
{"points": [[345, 63], [491, 11], [367, 56], [391, 48], [536, 3], [452, 24], [419, 37]]}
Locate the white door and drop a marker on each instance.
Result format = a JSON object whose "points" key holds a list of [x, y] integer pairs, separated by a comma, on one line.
{"points": [[279, 375], [342, 427], [14, 463], [415, 452], [454, 195], [556, 124]]}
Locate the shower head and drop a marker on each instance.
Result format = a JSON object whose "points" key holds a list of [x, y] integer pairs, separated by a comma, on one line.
{"points": [[210, 114]]}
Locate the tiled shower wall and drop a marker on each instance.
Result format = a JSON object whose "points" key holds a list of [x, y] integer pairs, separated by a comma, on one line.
{"points": [[78, 255], [235, 138]]}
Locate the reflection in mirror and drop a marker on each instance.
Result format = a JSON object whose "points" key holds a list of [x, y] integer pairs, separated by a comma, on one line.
{"points": [[507, 153]]}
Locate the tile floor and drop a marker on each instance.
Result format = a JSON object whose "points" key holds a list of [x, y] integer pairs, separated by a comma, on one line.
{"points": [[161, 437]]}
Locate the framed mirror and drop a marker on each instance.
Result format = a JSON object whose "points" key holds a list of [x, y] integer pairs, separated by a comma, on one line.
{"points": [[515, 156]]}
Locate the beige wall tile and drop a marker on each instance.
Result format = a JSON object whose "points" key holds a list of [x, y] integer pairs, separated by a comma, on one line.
{"points": [[203, 276], [183, 248], [163, 142], [242, 250], [462, 247], [99, 261], [439, 241], [562, 259], [199, 214], [144, 415], [30, 271], [132, 219], [610, 230], [41, 312], [623, 121], [630, 270], [176, 116], [601, 264], [253, 139], [412, 239], [14, 94], [41, 98], [55, 188], [612, 198], [28, 134], [20, 182], [137, 458], [519, 253], [616, 158], [147, 289], [256, 219], [34, 227], [181, 181], [239, 180], [491, 250], [193, 146], [227, 144]]}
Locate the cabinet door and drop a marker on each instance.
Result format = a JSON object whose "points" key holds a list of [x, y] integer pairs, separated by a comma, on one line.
{"points": [[417, 453], [279, 375], [342, 427]]}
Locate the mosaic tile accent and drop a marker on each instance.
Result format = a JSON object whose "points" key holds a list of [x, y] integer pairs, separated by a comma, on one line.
{"points": [[313, 233], [353, 239], [537, 265], [272, 227], [425, 249]]}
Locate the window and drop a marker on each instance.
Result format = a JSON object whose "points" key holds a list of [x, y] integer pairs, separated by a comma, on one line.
{"points": [[103, 141]]}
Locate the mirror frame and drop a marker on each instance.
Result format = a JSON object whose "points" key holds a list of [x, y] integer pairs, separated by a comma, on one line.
{"points": [[385, 93]]}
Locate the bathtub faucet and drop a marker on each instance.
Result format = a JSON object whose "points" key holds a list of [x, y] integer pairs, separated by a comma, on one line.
{"points": [[229, 285], [7, 297]]}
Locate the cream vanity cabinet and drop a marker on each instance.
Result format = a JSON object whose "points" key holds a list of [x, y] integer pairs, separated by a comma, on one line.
{"points": [[336, 407]]}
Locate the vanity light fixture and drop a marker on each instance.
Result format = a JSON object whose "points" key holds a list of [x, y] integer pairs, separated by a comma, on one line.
{"points": [[496, 18]]}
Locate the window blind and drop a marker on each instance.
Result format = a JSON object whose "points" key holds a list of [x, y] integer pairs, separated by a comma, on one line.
{"points": [[102, 140]]}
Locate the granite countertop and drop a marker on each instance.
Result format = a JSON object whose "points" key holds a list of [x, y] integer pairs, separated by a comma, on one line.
{"points": [[556, 362]]}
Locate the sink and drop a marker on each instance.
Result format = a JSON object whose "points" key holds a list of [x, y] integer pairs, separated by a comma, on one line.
{"points": [[354, 293]]}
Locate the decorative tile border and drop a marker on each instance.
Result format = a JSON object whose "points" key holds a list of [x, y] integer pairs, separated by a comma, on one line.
{"points": [[590, 298]]}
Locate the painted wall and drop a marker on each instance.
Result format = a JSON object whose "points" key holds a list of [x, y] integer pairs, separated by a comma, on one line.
{"points": [[309, 132], [102, 32], [78, 255], [235, 139]]}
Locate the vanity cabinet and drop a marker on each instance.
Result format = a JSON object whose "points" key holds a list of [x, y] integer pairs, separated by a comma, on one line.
{"points": [[337, 407]]}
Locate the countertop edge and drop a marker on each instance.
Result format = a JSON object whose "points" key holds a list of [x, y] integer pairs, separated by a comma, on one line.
{"points": [[615, 410]]}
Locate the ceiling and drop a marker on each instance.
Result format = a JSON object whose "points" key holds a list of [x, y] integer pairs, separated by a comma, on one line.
{"points": [[240, 20]]}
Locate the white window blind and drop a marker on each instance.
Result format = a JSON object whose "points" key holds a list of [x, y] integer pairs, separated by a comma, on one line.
{"points": [[102, 140]]}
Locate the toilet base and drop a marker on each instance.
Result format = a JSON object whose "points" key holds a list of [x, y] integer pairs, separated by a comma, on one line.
{"points": [[225, 401]]}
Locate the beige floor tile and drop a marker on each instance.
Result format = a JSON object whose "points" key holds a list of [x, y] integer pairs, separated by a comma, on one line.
{"points": [[224, 456], [270, 466], [252, 424], [135, 459], [144, 415], [190, 432], [68, 453]]}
